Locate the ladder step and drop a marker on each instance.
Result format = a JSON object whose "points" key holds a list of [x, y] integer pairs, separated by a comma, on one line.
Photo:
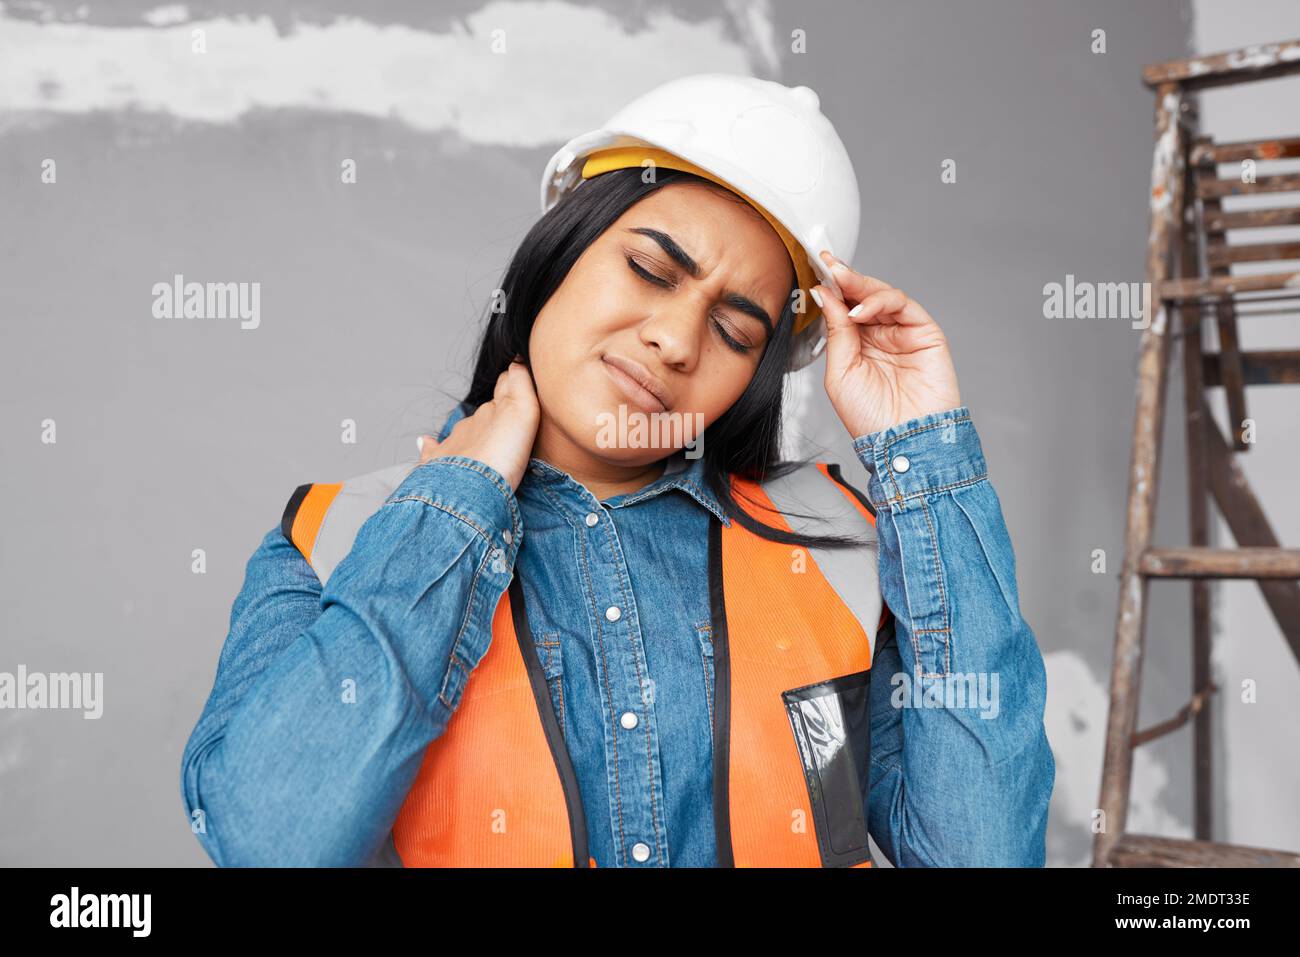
{"points": [[1220, 563], [1257, 62], [1218, 188], [1223, 254], [1218, 221], [1223, 286], [1283, 147], [1148, 850], [1276, 367]]}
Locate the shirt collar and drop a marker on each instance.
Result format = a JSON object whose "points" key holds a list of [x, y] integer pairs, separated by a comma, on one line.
{"points": [[687, 475], [680, 472]]}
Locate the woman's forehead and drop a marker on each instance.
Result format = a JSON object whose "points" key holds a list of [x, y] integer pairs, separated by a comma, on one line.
{"points": [[709, 224]]}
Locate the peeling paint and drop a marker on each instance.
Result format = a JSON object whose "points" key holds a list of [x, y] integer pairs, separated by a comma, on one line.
{"points": [[1260, 57], [1165, 160]]}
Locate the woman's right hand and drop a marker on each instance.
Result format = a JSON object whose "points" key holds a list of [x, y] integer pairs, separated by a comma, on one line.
{"points": [[500, 432]]}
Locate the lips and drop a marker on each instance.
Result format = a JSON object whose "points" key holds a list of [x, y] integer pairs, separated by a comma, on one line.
{"points": [[638, 383]]}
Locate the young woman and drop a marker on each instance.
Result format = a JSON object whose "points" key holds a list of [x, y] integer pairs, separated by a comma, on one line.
{"points": [[557, 639]]}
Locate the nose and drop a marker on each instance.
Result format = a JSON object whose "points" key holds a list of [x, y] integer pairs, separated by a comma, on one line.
{"points": [[673, 331]]}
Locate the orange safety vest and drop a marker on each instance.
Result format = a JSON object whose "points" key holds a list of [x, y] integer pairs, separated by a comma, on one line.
{"points": [[794, 631]]}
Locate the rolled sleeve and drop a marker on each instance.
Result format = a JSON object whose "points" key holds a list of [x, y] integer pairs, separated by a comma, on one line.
{"points": [[961, 778], [931, 453], [473, 492]]}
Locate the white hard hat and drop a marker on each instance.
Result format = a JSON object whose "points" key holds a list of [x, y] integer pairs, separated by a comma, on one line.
{"points": [[768, 142]]}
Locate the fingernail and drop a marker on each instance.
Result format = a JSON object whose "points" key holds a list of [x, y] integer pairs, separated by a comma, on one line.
{"points": [[419, 444], [856, 310], [816, 298]]}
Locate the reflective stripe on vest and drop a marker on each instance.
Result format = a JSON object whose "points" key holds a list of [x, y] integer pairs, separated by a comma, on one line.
{"points": [[794, 632]]}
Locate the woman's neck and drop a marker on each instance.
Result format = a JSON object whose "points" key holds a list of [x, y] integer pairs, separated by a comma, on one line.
{"points": [[603, 479]]}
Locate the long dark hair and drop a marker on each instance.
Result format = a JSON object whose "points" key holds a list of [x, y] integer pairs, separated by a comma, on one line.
{"points": [[744, 440]]}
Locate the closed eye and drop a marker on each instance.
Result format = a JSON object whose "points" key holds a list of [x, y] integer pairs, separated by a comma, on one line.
{"points": [[661, 282], [648, 275]]}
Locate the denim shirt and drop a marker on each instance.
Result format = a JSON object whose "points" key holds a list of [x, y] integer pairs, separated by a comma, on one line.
{"points": [[282, 768]]}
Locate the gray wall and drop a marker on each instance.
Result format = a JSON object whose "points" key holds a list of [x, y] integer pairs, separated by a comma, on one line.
{"points": [[1258, 754], [175, 435]]}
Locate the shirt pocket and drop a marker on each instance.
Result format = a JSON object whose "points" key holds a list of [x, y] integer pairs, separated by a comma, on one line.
{"points": [[704, 636], [551, 657]]}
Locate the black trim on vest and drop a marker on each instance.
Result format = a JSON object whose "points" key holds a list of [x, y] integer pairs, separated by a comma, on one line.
{"points": [[886, 634], [554, 736], [834, 469], [722, 700], [291, 511]]}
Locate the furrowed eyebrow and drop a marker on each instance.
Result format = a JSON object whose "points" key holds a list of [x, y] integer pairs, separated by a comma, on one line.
{"points": [[683, 259]]}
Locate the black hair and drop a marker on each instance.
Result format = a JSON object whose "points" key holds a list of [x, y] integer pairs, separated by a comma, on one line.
{"points": [[745, 439]]}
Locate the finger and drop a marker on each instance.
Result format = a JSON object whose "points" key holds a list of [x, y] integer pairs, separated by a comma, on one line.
{"points": [[885, 307], [854, 285], [503, 384], [521, 380], [428, 447], [842, 340]]}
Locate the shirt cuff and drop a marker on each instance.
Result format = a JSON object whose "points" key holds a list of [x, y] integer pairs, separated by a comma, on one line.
{"points": [[924, 455], [473, 492]]}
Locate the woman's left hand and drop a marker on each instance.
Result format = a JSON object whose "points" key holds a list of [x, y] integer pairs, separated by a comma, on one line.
{"points": [[887, 364]]}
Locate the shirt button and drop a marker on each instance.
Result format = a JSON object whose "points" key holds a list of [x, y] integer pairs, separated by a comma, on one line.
{"points": [[901, 463], [613, 613], [507, 537], [640, 851], [592, 519], [628, 720]]}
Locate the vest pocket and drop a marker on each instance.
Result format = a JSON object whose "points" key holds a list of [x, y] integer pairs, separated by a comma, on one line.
{"points": [[548, 652], [831, 721]]}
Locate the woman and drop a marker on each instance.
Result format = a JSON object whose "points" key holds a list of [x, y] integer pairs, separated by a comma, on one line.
{"points": [[553, 642]]}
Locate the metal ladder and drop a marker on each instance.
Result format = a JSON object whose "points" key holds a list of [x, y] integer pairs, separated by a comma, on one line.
{"points": [[1188, 234]]}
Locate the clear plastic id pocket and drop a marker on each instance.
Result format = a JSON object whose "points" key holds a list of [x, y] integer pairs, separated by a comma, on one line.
{"points": [[831, 722]]}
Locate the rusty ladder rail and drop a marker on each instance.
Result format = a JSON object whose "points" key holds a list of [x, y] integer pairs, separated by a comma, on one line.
{"points": [[1187, 219]]}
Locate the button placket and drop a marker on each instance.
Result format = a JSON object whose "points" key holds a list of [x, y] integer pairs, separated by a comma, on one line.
{"points": [[631, 740], [623, 712]]}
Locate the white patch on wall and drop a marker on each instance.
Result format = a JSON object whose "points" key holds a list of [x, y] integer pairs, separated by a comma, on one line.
{"points": [[1077, 708], [566, 68], [165, 16]]}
